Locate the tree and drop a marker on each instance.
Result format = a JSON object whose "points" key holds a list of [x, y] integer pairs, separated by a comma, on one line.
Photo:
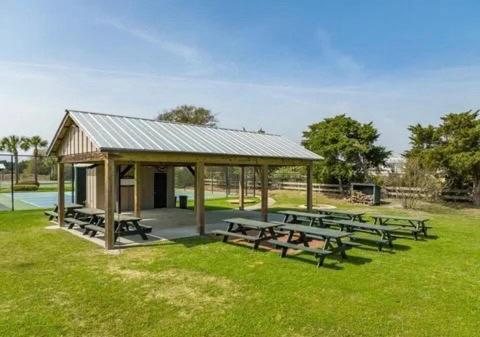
{"points": [[11, 144], [348, 148], [37, 143], [452, 148], [189, 114]]}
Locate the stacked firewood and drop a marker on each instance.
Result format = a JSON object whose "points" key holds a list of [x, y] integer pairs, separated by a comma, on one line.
{"points": [[358, 197]]}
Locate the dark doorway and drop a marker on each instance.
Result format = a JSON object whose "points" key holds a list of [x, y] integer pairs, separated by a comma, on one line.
{"points": [[160, 190]]}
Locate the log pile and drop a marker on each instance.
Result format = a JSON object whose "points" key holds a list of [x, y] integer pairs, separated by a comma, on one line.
{"points": [[358, 197]]}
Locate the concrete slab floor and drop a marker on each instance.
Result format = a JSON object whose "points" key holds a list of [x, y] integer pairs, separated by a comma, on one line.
{"points": [[172, 224]]}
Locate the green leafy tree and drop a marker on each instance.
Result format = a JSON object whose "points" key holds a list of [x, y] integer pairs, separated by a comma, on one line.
{"points": [[348, 148], [452, 148], [189, 114], [12, 144], [36, 143]]}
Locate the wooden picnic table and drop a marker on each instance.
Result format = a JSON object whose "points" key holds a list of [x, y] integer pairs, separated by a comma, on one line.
{"points": [[417, 225], [342, 214], [332, 239], [123, 224], [69, 210], [297, 217], [385, 232], [238, 227]]}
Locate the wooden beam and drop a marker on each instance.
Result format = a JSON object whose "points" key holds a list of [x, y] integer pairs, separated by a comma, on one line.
{"points": [[125, 171], [200, 197], [61, 193], [83, 157], [241, 189], [192, 171], [207, 159], [264, 179], [109, 202], [309, 187], [137, 197]]}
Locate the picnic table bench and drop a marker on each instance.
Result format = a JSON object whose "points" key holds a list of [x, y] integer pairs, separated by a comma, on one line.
{"points": [[69, 210], [414, 225], [385, 232], [332, 241], [123, 224], [297, 217], [342, 214], [238, 227]]}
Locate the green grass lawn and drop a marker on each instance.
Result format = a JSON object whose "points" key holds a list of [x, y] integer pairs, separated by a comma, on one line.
{"points": [[54, 284]]}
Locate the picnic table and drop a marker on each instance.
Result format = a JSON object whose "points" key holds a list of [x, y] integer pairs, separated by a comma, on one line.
{"points": [[298, 217], [415, 225], [342, 214], [238, 227], [124, 225], [385, 232], [83, 216], [69, 210], [332, 241]]}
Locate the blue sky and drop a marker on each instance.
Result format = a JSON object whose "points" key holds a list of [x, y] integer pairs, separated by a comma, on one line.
{"points": [[279, 65]]}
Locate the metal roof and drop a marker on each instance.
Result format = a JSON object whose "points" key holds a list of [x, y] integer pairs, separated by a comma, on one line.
{"points": [[120, 133]]}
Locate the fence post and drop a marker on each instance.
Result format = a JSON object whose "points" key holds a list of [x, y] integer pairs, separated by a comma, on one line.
{"points": [[11, 183]]}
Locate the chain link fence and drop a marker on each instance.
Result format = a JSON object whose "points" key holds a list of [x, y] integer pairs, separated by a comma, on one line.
{"points": [[28, 182]]}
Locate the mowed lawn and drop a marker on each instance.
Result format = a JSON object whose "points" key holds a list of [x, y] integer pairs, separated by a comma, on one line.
{"points": [[54, 284]]}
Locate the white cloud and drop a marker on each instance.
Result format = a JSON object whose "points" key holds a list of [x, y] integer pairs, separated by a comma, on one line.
{"points": [[335, 58], [186, 52], [33, 98]]}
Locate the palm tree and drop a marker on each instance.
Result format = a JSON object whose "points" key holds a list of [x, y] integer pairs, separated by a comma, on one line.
{"points": [[11, 144], [35, 142]]}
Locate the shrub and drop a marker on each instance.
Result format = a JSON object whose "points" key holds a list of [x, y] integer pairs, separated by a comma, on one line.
{"points": [[25, 188]]}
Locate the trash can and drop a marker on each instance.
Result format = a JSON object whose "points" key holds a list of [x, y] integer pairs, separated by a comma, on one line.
{"points": [[183, 199]]}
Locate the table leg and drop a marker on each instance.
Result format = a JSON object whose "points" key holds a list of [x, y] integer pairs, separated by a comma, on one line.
{"points": [[139, 230], [272, 233], [229, 229]]}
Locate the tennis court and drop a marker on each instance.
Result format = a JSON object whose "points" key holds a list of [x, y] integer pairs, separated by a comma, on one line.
{"points": [[32, 200]]}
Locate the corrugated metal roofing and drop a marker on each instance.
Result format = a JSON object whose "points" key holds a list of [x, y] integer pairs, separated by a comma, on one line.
{"points": [[120, 133]]}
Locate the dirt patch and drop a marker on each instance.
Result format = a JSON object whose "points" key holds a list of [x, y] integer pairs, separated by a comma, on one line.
{"points": [[189, 290]]}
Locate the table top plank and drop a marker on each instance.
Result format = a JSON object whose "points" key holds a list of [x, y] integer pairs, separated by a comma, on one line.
{"points": [[69, 205], [304, 214], [396, 217], [341, 212], [316, 231], [249, 223], [89, 211], [364, 225], [121, 217]]}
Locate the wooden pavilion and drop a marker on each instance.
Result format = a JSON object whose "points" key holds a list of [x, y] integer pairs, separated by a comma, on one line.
{"points": [[109, 141]]}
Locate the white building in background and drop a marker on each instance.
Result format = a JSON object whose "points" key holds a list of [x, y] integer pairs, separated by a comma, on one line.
{"points": [[394, 165]]}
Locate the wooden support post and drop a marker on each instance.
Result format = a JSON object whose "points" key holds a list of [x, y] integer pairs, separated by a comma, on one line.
{"points": [[264, 179], [109, 202], [310, 187], [137, 196], [61, 193], [241, 189], [200, 197]]}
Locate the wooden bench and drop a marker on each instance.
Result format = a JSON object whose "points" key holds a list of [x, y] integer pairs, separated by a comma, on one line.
{"points": [[380, 242], [320, 254], [346, 244], [146, 229], [226, 234], [51, 215], [72, 222], [93, 229]]}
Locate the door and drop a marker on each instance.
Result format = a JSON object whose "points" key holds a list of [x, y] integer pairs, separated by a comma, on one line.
{"points": [[160, 190]]}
